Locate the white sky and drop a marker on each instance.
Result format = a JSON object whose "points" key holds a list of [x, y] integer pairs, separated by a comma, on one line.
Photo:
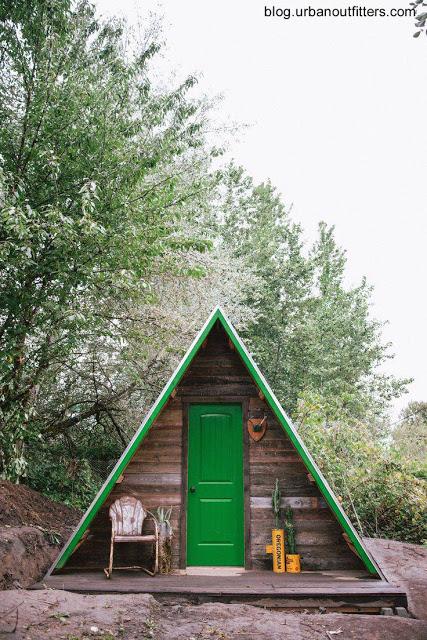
{"points": [[337, 108]]}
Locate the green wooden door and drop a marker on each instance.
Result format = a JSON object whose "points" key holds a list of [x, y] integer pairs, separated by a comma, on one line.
{"points": [[215, 520]]}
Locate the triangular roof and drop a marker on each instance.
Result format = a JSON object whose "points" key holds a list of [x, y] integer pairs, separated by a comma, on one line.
{"points": [[284, 420]]}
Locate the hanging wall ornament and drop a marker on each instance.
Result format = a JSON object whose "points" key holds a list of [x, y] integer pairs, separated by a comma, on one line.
{"points": [[257, 428]]}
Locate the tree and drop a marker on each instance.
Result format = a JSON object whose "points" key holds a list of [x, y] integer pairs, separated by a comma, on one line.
{"points": [[75, 455], [409, 437], [258, 229], [96, 167], [345, 348], [311, 333]]}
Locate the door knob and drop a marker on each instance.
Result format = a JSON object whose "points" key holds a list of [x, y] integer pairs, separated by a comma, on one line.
{"points": [[193, 489]]}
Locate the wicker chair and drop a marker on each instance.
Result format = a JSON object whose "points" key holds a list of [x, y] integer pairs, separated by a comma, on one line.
{"points": [[127, 517]]}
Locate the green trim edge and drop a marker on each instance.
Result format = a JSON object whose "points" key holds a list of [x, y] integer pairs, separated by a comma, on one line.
{"points": [[284, 420]]}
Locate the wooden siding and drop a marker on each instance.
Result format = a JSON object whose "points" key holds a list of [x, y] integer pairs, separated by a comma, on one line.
{"points": [[154, 473], [318, 534]]}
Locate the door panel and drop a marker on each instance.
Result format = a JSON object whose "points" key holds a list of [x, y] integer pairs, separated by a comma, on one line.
{"points": [[215, 521]]}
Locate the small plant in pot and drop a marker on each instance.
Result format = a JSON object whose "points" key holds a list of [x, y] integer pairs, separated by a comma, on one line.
{"points": [[293, 560], [165, 539]]}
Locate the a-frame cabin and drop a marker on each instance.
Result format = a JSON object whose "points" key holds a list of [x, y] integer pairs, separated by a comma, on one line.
{"points": [[193, 452]]}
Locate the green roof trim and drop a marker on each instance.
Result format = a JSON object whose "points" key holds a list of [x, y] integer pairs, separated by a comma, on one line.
{"points": [[284, 420]]}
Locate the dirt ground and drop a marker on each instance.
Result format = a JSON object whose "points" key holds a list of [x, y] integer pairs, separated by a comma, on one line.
{"points": [[40, 615], [22, 507], [32, 528]]}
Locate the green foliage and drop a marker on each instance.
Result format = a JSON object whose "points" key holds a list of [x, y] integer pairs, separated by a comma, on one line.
{"points": [[71, 481], [164, 516], [391, 502], [377, 489], [276, 497], [97, 169], [72, 470], [311, 333], [70, 476], [409, 438], [288, 525]]}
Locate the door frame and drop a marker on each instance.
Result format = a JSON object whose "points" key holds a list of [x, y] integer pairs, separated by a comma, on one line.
{"points": [[244, 402]]}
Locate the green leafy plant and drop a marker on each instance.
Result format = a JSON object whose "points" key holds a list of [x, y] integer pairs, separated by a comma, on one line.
{"points": [[164, 516], [275, 503], [379, 489], [53, 537], [150, 628], [289, 528], [69, 480]]}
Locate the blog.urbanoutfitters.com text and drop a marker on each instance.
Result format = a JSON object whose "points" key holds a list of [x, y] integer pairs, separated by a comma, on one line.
{"points": [[354, 11]]}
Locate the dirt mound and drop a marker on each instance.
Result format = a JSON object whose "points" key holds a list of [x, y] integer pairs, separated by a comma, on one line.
{"points": [[20, 506], [25, 554], [32, 530]]}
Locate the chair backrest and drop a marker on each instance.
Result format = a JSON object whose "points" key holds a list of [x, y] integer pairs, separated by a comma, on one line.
{"points": [[127, 516]]}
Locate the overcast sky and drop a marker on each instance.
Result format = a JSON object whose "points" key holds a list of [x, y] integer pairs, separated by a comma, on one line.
{"points": [[337, 110]]}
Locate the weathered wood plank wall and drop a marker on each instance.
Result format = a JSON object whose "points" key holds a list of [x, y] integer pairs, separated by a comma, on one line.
{"points": [[154, 474], [319, 536]]}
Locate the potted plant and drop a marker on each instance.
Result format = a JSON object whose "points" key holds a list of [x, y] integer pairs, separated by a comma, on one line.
{"points": [[277, 546], [293, 561], [165, 539]]}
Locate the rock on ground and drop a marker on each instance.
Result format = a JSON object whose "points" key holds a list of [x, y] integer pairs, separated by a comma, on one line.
{"points": [[405, 565], [25, 554], [50, 614]]}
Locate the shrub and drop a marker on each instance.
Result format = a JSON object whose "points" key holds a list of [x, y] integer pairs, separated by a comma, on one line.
{"points": [[378, 490], [72, 481]]}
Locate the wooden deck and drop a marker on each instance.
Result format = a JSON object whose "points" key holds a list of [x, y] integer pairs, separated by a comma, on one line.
{"points": [[349, 591]]}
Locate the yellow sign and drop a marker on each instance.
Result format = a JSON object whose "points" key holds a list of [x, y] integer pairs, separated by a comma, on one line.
{"points": [[277, 548]]}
